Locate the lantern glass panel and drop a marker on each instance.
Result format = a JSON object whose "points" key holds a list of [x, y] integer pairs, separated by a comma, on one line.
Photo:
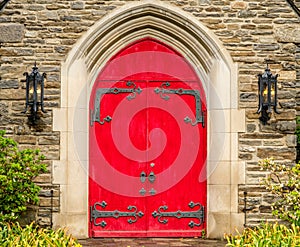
{"points": [[273, 92], [31, 91], [265, 93], [38, 92]]}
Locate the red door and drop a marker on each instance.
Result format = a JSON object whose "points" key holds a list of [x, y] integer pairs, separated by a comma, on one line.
{"points": [[147, 145]]}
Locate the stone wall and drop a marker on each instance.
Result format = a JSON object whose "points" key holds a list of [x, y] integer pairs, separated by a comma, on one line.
{"points": [[252, 31], [298, 95]]}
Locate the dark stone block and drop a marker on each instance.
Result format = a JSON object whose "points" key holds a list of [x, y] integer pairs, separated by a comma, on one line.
{"points": [[71, 18], [9, 84], [265, 209], [11, 33], [248, 96], [266, 47], [77, 5]]}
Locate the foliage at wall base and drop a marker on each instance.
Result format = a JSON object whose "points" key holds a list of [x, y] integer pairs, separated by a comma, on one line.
{"points": [[18, 168], [267, 235], [283, 182], [298, 138], [15, 236]]}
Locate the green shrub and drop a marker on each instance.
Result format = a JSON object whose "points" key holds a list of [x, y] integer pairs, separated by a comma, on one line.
{"points": [[267, 235], [15, 236], [298, 138], [17, 170], [284, 183], [298, 129]]}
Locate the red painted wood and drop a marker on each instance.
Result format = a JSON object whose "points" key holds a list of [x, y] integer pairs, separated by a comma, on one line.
{"points": [[144, 131]]}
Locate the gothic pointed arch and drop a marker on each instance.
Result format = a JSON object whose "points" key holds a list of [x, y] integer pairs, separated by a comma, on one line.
{"points": [[212, 63]]}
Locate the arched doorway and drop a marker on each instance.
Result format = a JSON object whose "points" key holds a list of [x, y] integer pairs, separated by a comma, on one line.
{"points": [[218, 73], [147, 145]]}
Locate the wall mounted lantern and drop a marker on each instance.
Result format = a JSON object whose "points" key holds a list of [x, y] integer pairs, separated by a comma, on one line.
{"points": [[267, 91], [34, 93]]}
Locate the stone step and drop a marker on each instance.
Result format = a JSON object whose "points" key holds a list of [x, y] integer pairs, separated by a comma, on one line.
{"points": [[151, 242]]}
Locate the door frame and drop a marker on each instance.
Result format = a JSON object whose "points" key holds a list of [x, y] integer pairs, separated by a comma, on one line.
{"points": [[215, 69]]}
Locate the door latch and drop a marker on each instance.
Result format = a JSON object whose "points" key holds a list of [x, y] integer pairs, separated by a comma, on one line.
{"points": [[143, 177], [151, 177]]}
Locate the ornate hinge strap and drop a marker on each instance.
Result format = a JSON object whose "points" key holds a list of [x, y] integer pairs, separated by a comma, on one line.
{"points": [[199, 113], [199, 214], [96, 213], [95, 114]]}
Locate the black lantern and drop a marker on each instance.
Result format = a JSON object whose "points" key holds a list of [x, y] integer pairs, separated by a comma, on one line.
{"points": [[267, 90], [34, 93]]}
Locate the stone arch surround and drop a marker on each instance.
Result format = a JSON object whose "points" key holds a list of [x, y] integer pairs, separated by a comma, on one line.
{"points": [[214, 66]]}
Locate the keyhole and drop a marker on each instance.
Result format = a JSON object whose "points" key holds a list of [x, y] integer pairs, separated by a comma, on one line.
{"points": [[143, 177]]}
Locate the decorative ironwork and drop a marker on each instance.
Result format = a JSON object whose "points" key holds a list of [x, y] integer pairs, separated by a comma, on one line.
{"points": [[246, 209], [143, 177], [295, 6], [96, 113], [152, 192], [151, 177], [267, 92], [3, 3], [95, 214], [103, 223], [142, 191], [34, 93], [199, 214], [180, 91]]}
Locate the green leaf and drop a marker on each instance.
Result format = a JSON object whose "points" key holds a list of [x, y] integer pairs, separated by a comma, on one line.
{"points": [[18, 168]]}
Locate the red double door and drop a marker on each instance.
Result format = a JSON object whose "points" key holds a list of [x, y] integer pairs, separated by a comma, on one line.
{"points": [[147, 159]]}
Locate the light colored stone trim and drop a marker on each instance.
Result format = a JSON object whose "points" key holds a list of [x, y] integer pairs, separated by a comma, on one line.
{"points": [[238, 121], [211, 61]]}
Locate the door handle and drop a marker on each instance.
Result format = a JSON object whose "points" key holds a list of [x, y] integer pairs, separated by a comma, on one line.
{"points": [[151, 177], [143, 177]]}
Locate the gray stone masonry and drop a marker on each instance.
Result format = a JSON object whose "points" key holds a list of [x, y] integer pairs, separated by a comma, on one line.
{"points": [[252, 32]]}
